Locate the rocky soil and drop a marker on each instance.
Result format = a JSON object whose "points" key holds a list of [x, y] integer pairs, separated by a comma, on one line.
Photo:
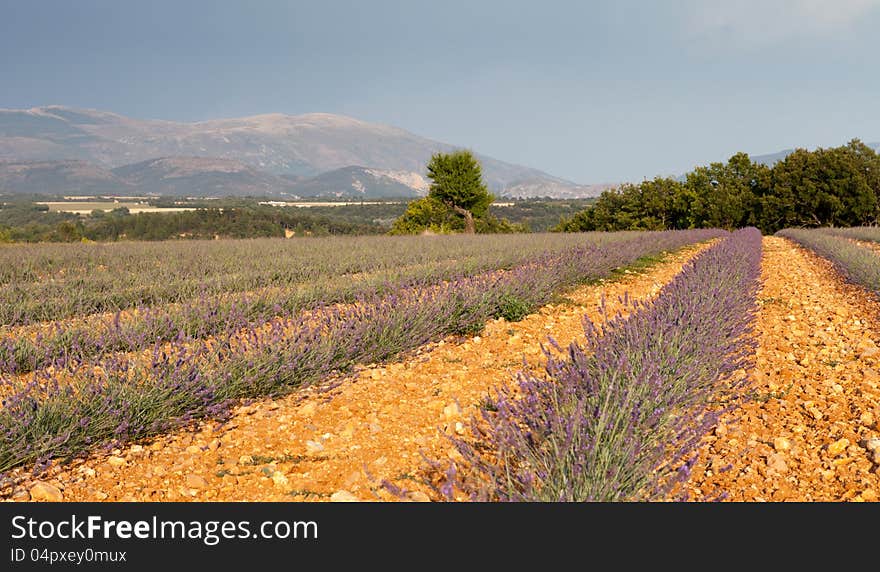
{"points": [[810, 431]]}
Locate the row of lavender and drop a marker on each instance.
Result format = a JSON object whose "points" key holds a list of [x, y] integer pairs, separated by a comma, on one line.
{"points": [[62, 414], [864, 233], [56, 344], [856, 263], [41, 282], [620, 418]]}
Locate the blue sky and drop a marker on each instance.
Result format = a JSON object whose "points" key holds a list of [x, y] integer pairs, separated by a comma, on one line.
{"points": [[602, 91]]}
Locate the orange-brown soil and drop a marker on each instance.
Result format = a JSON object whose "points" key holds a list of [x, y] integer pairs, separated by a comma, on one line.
{"points": [[805, 435]]}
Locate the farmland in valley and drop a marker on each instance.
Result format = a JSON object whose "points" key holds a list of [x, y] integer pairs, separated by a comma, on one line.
{"points": [[710, 365]]}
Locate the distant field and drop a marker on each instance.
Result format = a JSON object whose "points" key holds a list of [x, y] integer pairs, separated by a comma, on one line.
{"points": [[86, 207], [341, 204], [325, 203]]}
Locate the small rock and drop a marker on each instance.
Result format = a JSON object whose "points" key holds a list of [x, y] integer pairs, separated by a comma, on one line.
{"points": [[451, 411], [781, 444], [873, 446], [21, 495], [869, 495], [868, 349], [348, 431], [136, 449], [838, 446], [375, 428], [193, 450], [721, 430], [353, 478], [245, 460], [280, 480], [343, 496], [866, 419], [214, 445], [100, 495], [418, 496], [116, 462], [45, 492], [196, 482], [777, 462], [314, 447], [87, 471], [308, 409]]}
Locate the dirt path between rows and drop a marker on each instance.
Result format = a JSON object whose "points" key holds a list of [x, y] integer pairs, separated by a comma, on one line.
{"points": [[340, 443], [807, 435]]}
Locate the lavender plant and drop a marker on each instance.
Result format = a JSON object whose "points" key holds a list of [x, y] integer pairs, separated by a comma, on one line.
{"points": [[864, 233], [62, 413], [619, 418], [857, 264]]}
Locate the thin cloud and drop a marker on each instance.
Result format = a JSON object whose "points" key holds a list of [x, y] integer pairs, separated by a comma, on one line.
{"points": [[759, 23]]}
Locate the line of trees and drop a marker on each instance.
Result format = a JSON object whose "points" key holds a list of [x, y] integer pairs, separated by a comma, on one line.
{"points": [[32, 223], [837, 186]]}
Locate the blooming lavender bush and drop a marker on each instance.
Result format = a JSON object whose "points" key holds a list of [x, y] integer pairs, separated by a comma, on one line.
{"points": [[619, 418], [857, 264], [865, 233], [126, 398]]}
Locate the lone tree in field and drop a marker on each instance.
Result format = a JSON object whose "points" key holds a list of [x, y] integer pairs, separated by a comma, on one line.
{"points": [[457, 195], [457, 182]]}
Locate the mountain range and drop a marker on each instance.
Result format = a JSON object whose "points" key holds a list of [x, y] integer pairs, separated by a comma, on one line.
{"points": [[771, 158], [63, 150]]}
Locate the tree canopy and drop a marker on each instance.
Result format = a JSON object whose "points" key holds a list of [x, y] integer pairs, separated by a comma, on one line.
{"points": [[839, 186]]}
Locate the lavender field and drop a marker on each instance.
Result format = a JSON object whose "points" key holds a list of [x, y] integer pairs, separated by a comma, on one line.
{"points": [[189, 340], [690, 365]]}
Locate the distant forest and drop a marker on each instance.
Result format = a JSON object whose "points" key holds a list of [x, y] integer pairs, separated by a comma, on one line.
{"points": [[22, 219], [837, 186]]}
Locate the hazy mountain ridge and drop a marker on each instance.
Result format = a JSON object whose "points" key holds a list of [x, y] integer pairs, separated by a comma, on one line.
{"points": [[362, 182], [303, 145], [201, 176], [771, 158], [74, 177]]}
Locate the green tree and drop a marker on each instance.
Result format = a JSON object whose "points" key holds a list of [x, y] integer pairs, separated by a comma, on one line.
{"points": [[458, 200], [725, 194], [423, 214], [457, 182], [839, 186]]}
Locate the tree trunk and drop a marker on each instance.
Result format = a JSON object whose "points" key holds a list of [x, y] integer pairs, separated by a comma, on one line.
{"points": [[469, 227]]}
